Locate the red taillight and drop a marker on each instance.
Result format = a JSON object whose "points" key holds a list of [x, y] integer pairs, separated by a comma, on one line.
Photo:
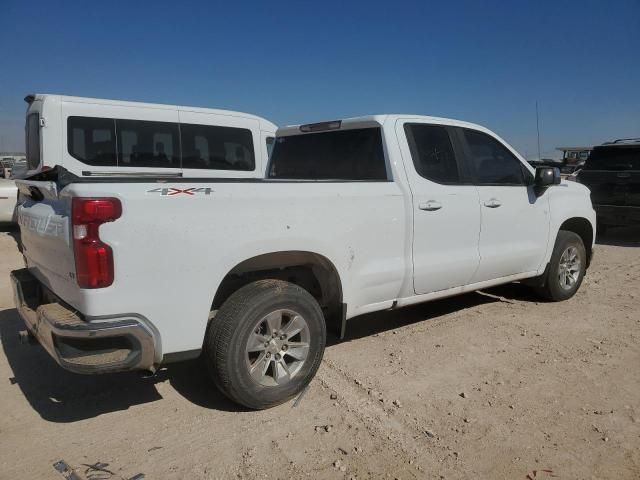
{"points": [[94, 258]]}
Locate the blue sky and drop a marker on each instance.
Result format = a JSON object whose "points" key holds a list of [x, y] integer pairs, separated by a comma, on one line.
{"points": [[482, 61]]}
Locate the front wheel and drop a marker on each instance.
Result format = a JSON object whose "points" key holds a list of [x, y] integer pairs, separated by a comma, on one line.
{"points": [[266, 343], [566, 268]]}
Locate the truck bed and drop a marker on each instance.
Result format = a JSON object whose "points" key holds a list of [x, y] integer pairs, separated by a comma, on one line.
{"points": [[167, 240]]}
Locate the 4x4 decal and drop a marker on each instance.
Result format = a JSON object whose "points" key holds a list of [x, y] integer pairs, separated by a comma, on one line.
{"points": [[172, 191]]}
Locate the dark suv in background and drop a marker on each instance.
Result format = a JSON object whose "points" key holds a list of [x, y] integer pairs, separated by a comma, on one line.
{"points": [[612, 173]]}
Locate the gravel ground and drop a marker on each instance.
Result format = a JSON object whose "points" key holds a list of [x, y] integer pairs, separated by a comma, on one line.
{"points": [[493, 384]]}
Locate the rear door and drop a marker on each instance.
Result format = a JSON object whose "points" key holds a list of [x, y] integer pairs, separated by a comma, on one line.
{"points": [[515, 222], [446, 208]]}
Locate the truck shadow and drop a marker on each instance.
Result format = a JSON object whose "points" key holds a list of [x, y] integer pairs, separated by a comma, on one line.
{"points": [[12, 231], [620, 237], [378, 322], [62, 397], [9, 227]]}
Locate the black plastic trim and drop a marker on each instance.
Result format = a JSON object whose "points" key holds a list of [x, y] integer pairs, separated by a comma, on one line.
{"points": [[181, 356], [343, 321], [62, 177]]}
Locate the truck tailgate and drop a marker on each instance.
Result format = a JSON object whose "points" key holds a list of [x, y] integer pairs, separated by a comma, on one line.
{"points": [[44, 219]]}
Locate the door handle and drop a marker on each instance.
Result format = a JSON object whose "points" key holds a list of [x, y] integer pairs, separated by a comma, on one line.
{"points": [[492, 203], [430, 206]]}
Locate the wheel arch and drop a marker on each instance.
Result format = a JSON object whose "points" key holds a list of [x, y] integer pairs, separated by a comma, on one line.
{"points": [[583, 228], [312, 271]]}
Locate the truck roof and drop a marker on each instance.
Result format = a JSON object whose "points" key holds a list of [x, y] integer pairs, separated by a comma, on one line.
{"points": [[380, 119], [124, 103], [622, 142]]}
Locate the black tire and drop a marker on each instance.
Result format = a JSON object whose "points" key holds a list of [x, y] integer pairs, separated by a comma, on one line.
{"points": [[238, 319], [552, 288]]}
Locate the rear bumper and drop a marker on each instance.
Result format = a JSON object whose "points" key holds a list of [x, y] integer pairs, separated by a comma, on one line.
{"points": [[617, 215], [98, 346]]}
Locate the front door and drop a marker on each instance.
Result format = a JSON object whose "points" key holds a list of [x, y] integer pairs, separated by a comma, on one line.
{"points": [[446, 210], [515, 221]]}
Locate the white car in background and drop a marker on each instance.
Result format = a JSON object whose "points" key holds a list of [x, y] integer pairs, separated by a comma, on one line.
{"points": [[8, 196]]}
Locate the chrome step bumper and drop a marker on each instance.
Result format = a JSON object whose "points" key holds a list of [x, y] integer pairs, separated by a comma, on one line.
{"points": [[97, 346]]}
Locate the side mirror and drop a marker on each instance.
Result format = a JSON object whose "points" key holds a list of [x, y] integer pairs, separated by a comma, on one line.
{"points": [[547, 176]]}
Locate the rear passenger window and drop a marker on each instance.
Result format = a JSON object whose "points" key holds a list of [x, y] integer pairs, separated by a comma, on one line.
{"points": [[92, 140], [148, 144], [140, 143], [217, 148], [354, 154], [494, 164], [432, 153]]}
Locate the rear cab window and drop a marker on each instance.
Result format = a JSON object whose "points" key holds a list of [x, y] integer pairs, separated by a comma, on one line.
{"points": [[348, 154], [432, 153]]}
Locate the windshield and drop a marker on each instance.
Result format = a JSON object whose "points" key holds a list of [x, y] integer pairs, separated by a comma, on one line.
{"points": [[33, 141], [354, 154], [614, 158]]}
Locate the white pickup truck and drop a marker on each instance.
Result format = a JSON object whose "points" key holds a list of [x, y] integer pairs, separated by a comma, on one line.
{"points": [[355, 216]]}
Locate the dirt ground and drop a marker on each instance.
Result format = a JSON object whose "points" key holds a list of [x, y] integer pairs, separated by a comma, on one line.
{"points": [[488, 385]]}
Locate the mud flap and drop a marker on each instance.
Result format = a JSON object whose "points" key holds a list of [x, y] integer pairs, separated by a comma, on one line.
{"points": [[343, 321], [538, 281], [336, 319]]}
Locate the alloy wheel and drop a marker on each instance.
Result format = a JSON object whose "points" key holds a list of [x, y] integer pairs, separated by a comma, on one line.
{"points": [[277, 347]]}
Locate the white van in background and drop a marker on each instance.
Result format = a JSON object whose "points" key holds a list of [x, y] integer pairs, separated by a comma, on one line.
{"points": [[93, 137]]}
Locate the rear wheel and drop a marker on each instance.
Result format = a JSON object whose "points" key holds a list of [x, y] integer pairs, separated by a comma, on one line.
{"points": [[266, 343], [566, 268]]}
